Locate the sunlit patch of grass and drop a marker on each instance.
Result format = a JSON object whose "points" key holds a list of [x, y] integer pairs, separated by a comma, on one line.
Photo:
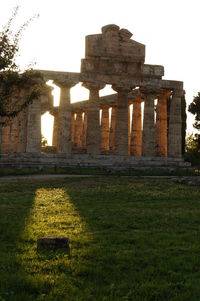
{"points": [[52, 214]]}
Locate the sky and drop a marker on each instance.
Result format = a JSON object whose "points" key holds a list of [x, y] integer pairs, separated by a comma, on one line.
{"points": [[56, 40]]}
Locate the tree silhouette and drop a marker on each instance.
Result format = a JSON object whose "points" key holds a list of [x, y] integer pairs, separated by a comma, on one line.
{"points": [[184, 119], [194, 108], [12, 79]]}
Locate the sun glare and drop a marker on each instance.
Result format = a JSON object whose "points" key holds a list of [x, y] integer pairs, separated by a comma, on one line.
{"points": [[77, 93], [47, 121], [107, 90]]}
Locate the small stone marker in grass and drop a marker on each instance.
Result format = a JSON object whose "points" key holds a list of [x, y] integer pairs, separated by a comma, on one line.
{"points": [[53, 243]]}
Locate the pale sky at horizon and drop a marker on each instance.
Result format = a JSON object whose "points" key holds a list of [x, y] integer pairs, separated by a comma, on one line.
{"points": [[168, 28]]}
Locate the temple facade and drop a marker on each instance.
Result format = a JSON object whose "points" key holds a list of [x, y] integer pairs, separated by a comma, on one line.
{"points": [[138, 125]]}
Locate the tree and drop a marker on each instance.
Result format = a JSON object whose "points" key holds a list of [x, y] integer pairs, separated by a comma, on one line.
{"points": [[192, 150], [192, 143], [184, 124], [194, 108], [12, 80], [193, 140]]}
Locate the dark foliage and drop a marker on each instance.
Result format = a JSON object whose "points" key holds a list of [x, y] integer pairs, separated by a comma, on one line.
{"points": [[12, 80], [184, 119], [194, 108]]}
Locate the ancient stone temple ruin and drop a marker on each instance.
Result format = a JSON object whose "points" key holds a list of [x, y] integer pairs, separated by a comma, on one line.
{"points": [[138, 125]]}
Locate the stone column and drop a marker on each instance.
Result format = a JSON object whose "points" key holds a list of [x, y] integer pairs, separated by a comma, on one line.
{"points": [[0, 135], [14, 123], [149, 129], [22, 125], [5, 139], [105, 129], [72, 127], [84, 135], [1, 138], [14, 135], [33, 144], [64, 144], [22, 136], [78, 129], [175, 125], [161, 124], [121, 127], [136, 133], [55, 130], [129, 130], [93, 137], [112, 129]]}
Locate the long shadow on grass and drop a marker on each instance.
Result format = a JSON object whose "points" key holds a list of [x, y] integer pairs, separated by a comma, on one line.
{"points": [[16, 201]]}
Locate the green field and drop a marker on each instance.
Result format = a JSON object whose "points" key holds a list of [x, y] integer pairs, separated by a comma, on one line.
{"points": [[130, 239]]}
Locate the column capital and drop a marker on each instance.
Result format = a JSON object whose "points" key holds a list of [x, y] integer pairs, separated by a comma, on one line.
{"points": [[178, 92], [122, 89], [149, 90], [93, 86], [134, 96], [105, 106], [65, 84], [164, 93], [78, 111], [53, 111]]}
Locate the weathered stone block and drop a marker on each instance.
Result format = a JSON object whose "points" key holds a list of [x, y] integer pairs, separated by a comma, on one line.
{"points": [[114, 43], [53, 243], [153, 71]]}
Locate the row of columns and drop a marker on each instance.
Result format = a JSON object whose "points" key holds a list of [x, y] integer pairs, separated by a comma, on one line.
{"points": [[79, 129], [23, 134], [100, 135], [156, 139], [123, 139], [113, 134]]}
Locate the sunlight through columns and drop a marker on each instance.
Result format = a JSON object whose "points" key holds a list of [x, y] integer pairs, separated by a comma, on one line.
{"points": [[55, 93], [79, 93], [47, 121]]}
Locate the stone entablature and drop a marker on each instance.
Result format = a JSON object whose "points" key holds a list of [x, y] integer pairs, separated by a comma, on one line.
{"points": [[134, 122]]}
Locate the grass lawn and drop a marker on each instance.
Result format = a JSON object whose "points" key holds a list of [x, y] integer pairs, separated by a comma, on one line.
{"points": [[130, 239]]}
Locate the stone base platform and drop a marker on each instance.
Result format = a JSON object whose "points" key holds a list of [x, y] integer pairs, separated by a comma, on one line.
{"points": [[108, 162]]}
